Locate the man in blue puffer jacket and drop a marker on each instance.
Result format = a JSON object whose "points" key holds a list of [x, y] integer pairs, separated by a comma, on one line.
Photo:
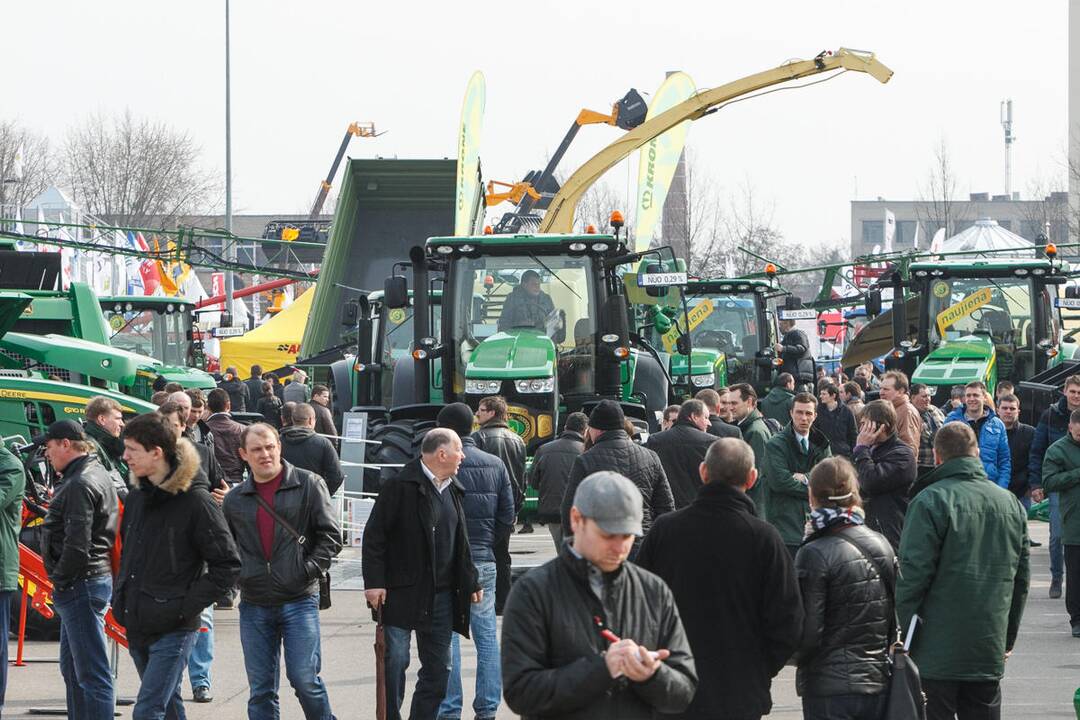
{"points": [[489, 514], [993, 437]]}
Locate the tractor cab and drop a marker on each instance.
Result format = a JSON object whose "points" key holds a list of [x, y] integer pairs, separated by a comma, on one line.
{"points": [[981, 320]]}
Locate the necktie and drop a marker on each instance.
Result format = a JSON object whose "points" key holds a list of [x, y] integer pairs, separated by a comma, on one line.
{"points": [[804, 445]]}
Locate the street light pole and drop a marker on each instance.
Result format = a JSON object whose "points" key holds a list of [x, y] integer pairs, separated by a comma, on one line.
{"points": [[230, 252]]}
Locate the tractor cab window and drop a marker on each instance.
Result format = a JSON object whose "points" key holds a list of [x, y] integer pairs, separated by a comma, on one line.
{"points": [[725, 322], [155, 333], [549, 295], [998, 309], [392, 334]]}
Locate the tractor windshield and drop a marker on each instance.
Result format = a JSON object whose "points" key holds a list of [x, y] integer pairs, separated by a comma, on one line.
{"points": [[996, 308], [550, 294], [725, 322], [154, 332]]}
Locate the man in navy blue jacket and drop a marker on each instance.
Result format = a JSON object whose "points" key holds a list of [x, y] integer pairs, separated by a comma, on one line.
{"points": [[489, 514]]}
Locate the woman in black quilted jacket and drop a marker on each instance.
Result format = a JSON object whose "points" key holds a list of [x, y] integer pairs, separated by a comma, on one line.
{"points": [[847, 574]]}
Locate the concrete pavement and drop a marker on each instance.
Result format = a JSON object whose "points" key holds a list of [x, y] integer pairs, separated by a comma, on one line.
{"points": [[1040, 679]]}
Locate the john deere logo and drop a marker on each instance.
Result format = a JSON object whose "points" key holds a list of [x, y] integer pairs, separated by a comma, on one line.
{"points": [[116, 322], [397, 316], [941, 289], [521, 422]]}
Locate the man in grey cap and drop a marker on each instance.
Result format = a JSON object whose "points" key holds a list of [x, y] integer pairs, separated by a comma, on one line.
{"points": [[589, 635]]}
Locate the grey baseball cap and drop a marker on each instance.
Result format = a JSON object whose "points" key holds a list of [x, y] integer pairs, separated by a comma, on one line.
{"points": [[612, 501]]}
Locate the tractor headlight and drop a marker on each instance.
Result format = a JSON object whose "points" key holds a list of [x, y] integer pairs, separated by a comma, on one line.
{"points": [[482, 387], [703, 381], [535, 385]]}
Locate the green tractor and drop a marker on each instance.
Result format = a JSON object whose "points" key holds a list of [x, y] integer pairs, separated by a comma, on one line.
{"points": [[986, 320], [542, 320], [161, 327]]}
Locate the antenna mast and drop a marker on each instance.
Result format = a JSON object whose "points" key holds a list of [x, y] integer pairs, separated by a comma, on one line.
{"points": [[1006, 124]]}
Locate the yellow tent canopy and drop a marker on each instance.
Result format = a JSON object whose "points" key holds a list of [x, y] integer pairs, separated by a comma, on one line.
{"points": [[273, 344]]}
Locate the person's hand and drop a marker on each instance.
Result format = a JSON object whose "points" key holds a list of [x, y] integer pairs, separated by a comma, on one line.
{"points": [[870, 433], [615, 657], [375, 597], [1037, 494], [1008, 654], [477, 596], [644, 664], [800, 477], [219, 494], [778, 348]]}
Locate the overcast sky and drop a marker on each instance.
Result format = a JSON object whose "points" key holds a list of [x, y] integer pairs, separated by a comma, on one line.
{"points": [[301, 71]]}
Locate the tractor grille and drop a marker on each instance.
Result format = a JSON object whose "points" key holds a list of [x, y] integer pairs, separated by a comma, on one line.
{"points": [[29, 364]]}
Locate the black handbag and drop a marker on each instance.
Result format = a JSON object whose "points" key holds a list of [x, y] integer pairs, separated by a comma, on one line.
{"points": [[324, 578], [906, 700]]}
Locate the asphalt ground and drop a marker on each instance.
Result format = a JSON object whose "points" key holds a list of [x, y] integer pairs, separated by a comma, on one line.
{"points": [[1040, 680]]}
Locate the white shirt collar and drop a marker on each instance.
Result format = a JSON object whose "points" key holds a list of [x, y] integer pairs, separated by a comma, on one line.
{"points": [[440, 486]]}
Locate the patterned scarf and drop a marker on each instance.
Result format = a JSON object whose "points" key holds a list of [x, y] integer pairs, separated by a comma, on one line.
{"points": [[825, 518]]}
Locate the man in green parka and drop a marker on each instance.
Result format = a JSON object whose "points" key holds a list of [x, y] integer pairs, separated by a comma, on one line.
{"points": [[777, 404], [743, 399], [12, 486], [789, 457], [1061, 474], [964, 572]]}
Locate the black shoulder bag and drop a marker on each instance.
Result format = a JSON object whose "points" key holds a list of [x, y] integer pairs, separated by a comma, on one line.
{"points": [[324, 578], [906, 699]]}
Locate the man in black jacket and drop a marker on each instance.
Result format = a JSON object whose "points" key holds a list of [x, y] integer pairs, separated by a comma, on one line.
{"points": [[254, 385], [197, 430], [1020, 436], [178, 559], [79, 534], [104, 421], [302, 447], [612, 449], [743, 616], [279, 576], [496, 437], [718, 426], [550, 468], [418, 570], [887, 469], [836, 421], [239, 396], [589, 636], [794, 351], [682, 450]]}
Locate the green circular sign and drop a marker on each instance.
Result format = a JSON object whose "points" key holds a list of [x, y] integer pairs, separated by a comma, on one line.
{"points": [[941, 289]]}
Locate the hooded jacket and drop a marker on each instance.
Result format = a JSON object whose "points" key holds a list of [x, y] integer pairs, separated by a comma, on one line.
{"points": [[399, 552], [498, 439], [1061, 474], [304, 449], [964, 570], [488, 501], [849, 612], [553, 655], [614, 450], [886, 472], [550, 468], [681, 449], [1053, 424], [777, 405], [756, 434], [787, 499], [295, 568], [743, 616], [81, 524], [178, 555], [993, 444]]}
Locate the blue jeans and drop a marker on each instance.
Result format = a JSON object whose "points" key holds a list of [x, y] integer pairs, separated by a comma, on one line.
{"points": [[161, 670], [433, 647], [84, 659], [485, 635], [202, 655], [5, 628], [263, 632], [1057, 553], [844, 707]]}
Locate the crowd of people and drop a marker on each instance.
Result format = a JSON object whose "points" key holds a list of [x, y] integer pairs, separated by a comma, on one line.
{"points": [[804, 528]]}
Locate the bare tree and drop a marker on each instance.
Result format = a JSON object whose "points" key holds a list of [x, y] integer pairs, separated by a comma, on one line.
{"points": [[1046, 211], [694, 232], [134, 171], [937, 205], [27, 166], [595, 207]]}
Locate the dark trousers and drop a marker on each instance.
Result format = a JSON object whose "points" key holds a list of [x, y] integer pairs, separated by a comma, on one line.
{"points": [[161, 668], [1072, 582], [844, 707], [948, 699], [501, 548], [433, 647]]}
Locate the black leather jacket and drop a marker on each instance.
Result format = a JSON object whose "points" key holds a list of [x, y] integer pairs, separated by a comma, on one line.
{"points": [[293, 571], [849, 613], [498, 439], [81, 525]]}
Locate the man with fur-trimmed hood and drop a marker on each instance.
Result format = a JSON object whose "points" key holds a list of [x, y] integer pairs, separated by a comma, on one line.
{"points": [[178, 558]]}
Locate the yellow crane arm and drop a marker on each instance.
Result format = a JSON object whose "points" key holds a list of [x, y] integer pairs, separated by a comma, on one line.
{"points": [[560, 213]]}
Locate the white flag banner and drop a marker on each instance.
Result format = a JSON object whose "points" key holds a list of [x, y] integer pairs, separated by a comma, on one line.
{"points": [[890, 230], [915, 240]]}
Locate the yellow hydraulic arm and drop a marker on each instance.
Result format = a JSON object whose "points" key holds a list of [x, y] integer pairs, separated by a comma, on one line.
{"points": [[560, 214]]}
